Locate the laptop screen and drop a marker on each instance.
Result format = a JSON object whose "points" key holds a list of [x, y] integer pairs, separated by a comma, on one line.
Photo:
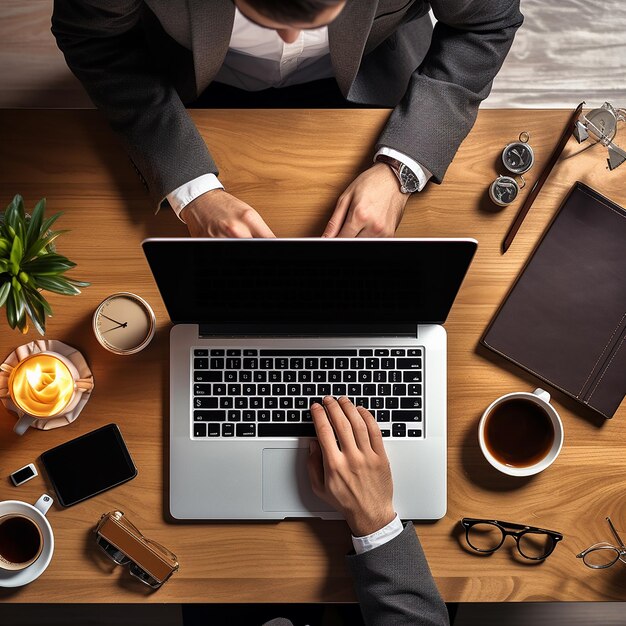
{"points": [[308, 281]]}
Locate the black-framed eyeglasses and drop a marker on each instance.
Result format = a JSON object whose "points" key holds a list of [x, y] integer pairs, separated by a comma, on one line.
{"points": [[602, 555], [486, 536]]}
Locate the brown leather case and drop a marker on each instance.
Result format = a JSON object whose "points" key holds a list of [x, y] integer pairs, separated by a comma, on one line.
{"points": [[564, 319]]}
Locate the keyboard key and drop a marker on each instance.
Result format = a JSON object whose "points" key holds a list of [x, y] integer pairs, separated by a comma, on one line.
{"points": [[241, 403], [217, 352], [412, 376], [306, 416], [380, 377], [201, 352], [281, 364], [388, 364], [289, 376], [308, 390], [286, 430], [217, 364], [385, 390], [279, 416], [249, 390], [264, 390], [406, 416], [311, 364], [366, 352], [399, 430], [250, 364], [372, 364], [294, 390], [306, 353], [228, 430], [392, 403], [259, 376], [364, 376], [399, 390], [275, 377], [341, 363], [226, 402], [369, 390], [383, 416], [209, 416], [293, 416], [250, 352], [248, 416], [334, 376], [233, 352], [234, 390], [207, 402], [271, 403], [339, 390], [357, 364], [267, 364], [246, 430], [323, 390], [305, 376], [296, 364], [319, 377], [199, 430], [213, 430], [285, 403], [327, 363], [245, 376], [201, 364], [377, 403], [279, 390], [398, 352], [207, 377], [409, 364], [234, 416], [202, 390], [364, 402], [381, 352], [415, 433], [219, 389], [354, 390], [230, 376], [415, 352], [415, 390], [349, 377], [301, 403], [263, 416], [411, 403], [395, 376], [233, 364], [385, 432]]}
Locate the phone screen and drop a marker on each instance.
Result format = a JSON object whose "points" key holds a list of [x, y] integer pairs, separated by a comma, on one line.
{"points": [[89, 465]]}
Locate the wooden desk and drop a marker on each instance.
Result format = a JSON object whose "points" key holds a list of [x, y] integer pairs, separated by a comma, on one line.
{"points": [[291, 165]]}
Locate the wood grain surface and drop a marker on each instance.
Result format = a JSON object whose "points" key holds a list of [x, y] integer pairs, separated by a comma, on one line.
{"points": [[291, 166]]}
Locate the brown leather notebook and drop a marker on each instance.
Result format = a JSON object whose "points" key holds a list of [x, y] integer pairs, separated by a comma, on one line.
{"points": [[564, 319]]}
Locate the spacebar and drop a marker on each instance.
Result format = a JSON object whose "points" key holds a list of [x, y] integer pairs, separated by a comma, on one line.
{"points": [[285, 430]]}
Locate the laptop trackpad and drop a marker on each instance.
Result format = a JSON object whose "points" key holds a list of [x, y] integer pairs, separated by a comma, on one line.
{"points": [[286, 485]]}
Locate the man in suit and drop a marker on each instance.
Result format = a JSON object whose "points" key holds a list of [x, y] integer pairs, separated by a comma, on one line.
{"points": [[141, 59]]}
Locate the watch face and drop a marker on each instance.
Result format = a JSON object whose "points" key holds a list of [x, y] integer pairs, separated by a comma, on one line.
{"points": [[601, 124], [408, 180], [124, 323], [518, 157], [504, 190]]}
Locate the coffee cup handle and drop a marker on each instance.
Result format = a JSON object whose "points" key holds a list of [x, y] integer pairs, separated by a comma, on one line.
{"points": [[22, 424], [44, 503], [541, 393]]}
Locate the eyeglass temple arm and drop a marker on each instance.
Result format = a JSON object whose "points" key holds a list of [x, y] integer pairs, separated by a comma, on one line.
{"points": [[619, 539]]}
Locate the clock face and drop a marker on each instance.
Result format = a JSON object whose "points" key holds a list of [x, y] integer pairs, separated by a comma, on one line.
{"points": [[408, 179], [518, 157], [124, 323], [504, 190]]}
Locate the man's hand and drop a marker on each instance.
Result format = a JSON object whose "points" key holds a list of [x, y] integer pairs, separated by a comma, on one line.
{"points": [[372, 206], [353, 474], [218, 214]]}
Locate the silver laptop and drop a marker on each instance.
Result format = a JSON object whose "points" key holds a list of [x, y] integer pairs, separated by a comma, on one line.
{"points": [[264, 327]]}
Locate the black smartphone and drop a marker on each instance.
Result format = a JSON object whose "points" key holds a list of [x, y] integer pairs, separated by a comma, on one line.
{"points": [[89, 465]]}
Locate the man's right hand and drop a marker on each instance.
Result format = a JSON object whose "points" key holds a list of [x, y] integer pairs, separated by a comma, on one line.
{"points": [[218, 214]]}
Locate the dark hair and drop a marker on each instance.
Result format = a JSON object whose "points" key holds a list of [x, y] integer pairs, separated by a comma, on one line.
{"points": [[292, 10]]}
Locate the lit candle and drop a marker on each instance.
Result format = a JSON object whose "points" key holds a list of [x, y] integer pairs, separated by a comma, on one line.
{"points": [[41, 385]]}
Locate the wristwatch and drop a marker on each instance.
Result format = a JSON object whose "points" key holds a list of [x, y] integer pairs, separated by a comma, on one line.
{"points": [[409, 182]]}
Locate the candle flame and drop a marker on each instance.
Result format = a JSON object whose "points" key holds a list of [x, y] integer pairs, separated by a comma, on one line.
{"points": [[42, 385]]}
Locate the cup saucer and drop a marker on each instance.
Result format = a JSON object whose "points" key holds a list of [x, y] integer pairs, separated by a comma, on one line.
{"points": [[36, 569]]}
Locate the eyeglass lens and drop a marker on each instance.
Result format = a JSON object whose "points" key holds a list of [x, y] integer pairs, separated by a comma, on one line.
{"points": [[601, 557], [143, 576], [486, 537], [117, 556]]}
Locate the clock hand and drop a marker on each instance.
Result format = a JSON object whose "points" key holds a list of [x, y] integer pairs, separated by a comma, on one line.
{"points": [[112, 320], [124, 325]]}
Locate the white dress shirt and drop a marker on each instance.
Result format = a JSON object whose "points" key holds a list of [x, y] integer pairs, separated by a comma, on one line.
{"points": [[380, 537], [257, 59]]}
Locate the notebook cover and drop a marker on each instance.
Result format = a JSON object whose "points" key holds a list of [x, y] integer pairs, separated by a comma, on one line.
{"points": [[564, 319]]}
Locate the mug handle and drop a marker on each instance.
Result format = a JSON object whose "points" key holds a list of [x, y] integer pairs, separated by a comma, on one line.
{"points": [[44, 503], [541, 393], [22, 424]]}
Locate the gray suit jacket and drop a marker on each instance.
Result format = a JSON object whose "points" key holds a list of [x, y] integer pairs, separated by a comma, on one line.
{"points": [[139, 60], [394, 585]]}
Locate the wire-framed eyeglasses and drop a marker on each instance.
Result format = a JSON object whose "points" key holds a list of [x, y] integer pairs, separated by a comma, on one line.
{"points": [[487, 536], [602, 555]]}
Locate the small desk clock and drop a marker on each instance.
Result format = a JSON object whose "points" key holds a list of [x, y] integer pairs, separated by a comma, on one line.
{"points": [[124, 323]]}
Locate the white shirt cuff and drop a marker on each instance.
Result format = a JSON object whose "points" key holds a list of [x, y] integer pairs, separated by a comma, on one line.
{"points": [[183, 195], [380, 537], [423, 175]]}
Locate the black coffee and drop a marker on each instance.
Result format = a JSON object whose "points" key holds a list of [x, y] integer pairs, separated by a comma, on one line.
{"points": [[519, 433], [19, 540]]}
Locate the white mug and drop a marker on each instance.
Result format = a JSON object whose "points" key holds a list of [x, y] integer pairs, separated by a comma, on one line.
{"points": [[15, 574], [542, 399]]}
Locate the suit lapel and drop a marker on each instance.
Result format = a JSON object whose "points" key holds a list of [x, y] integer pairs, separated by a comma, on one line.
{"points": [[347, 37], [211, 24]]}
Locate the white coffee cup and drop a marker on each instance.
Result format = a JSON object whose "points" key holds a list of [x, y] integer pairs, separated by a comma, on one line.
{"points": [[540, 398], [14, 574]]}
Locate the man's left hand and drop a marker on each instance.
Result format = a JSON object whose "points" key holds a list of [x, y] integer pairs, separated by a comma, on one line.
{"points": [[372, 206]]}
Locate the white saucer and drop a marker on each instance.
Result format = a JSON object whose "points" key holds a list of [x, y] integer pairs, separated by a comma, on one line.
{"points": [[30, 573]]}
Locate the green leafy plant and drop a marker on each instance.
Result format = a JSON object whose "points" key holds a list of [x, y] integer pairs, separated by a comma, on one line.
{"points": [[29, 264]]}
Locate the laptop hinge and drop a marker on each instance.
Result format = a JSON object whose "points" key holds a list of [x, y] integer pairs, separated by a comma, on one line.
{"points": [[308, 330]]}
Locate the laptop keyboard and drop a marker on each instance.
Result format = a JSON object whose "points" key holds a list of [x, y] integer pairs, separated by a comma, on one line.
{"points": [[256, 393]]}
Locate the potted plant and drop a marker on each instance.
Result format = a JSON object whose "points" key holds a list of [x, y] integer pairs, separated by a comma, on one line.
{"points": [[29, 264]]}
